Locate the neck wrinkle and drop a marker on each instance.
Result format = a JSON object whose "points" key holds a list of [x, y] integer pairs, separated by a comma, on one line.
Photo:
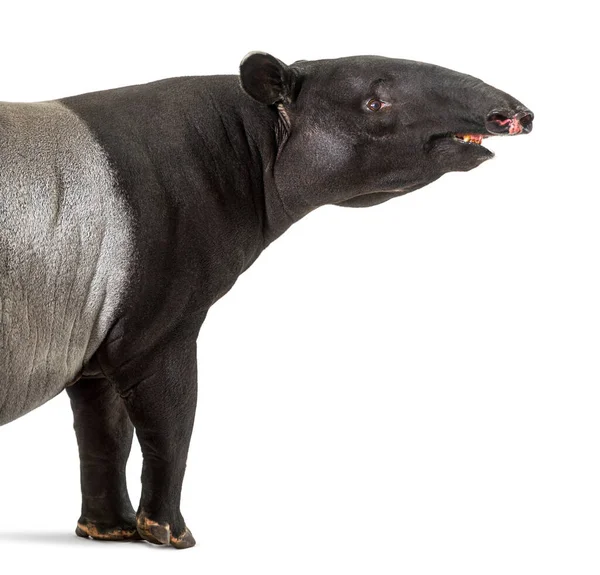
{"points": [[261, 125]]}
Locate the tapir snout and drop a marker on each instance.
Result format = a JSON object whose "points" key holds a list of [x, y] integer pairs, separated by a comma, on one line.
{"points": [[509, 122]]}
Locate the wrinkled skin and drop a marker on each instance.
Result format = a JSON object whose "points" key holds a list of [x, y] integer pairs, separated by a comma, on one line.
{"points": [[201, 174]]}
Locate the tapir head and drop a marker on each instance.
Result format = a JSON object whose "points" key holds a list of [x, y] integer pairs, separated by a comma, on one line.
{"points": [[358, 131]]}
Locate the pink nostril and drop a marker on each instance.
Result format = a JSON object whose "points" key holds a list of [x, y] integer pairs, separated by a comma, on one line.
{"points": [[515, 126], [510, 123]]}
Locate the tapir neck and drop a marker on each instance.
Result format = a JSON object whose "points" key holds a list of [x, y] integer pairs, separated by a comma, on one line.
{"points": [[241, 135], [261, 125], [197, 151]]}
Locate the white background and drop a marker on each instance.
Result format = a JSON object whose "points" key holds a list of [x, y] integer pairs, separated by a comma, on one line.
{"points": [[411, 388]]}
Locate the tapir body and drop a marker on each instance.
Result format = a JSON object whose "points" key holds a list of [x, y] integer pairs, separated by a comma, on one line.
{"points": [[125, 214]]}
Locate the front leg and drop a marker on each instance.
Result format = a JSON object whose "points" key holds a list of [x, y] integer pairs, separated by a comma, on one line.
{"points": [[162, 405], [104, 436]]}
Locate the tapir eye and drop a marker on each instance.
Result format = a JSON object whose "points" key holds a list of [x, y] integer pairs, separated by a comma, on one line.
{"points": [[375, 105]]}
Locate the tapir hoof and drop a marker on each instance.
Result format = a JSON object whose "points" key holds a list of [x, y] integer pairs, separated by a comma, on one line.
{"points": [[119, 533], [160, 533], [183, 541]]}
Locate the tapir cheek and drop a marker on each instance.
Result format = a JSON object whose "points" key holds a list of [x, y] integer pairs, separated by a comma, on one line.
{"points": [[317, 156], [330, 151]]}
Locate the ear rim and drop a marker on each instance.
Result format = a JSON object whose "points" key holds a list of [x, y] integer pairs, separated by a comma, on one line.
{"points": [[275, 87]]}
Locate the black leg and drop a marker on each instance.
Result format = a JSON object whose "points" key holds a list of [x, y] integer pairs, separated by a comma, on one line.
{"points": [[162, 405], [104, 435]]}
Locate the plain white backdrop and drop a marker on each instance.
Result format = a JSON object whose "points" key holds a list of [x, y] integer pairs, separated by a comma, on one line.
{"points": [[411, 388]]}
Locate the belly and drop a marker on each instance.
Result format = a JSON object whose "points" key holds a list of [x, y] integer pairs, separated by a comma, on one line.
{"points": [[65, 249]]}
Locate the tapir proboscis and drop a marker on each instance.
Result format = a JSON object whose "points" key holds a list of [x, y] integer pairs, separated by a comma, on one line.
{"points": [[125, 214]]}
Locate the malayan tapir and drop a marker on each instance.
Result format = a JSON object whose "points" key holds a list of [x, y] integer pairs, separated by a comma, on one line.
{"points": [[125, 214]]}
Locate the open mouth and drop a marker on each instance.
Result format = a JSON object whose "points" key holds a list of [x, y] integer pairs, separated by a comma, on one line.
{"points": [[470, 138], [461, 139], [497, 123]]}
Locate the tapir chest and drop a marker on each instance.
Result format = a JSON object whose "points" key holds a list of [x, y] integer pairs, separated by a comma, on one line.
{"points": [[65, 252]]}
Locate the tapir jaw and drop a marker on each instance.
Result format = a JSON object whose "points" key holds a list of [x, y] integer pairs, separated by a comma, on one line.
{"points": [[462, 149]]}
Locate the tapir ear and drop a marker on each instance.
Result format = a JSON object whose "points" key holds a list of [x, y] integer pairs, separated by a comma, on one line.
{"points": [[266, 78]]}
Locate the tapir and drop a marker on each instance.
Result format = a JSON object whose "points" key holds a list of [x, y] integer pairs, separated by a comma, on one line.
{"points": [[125, 214]]}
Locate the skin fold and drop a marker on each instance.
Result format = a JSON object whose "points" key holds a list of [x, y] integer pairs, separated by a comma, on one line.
{"points": [[125, 214]]}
